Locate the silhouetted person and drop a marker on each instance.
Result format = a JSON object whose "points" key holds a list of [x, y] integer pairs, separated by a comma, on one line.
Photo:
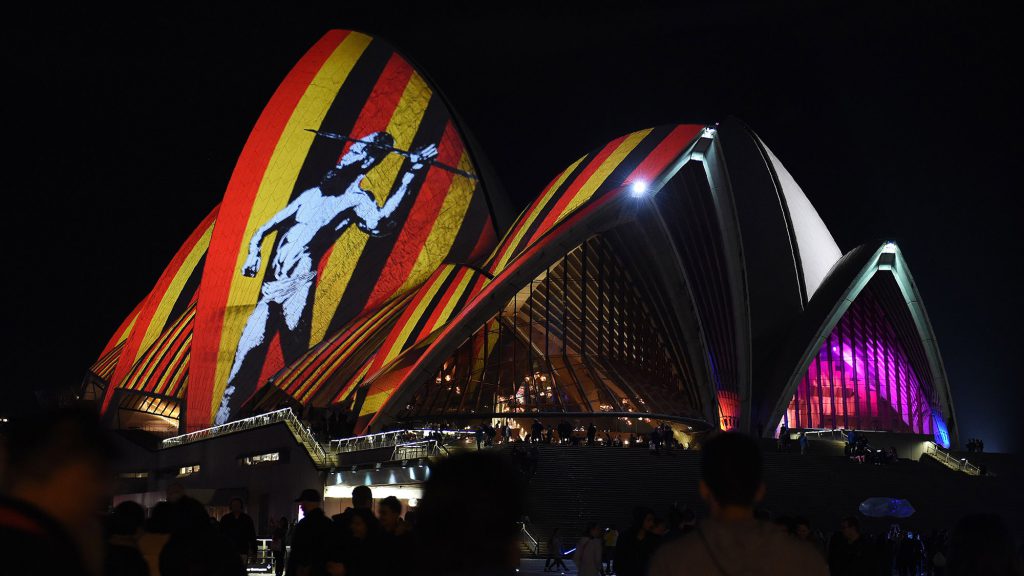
{"points": [[362, 553], [238, 527], [981, 544], [588, 552], [312, 539], [156, 535], [733, 541], [278, 544], [532, 460], [56, 478], [850, 554], [538, 431], [196, 546], [687, 521], [802, 439], [469, 516], [362, 499], [636, 545], [555, 553], [801, 528], [908, 555], [396, 545], [591, 434], [610, 540], [564, 431], [123, 557], [655, 441]]}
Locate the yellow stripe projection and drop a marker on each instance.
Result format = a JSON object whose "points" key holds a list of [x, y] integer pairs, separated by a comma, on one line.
{"points": [[128, 330], [601, 174], [156, 324], [446, 312], [158, 353], [380, 319], [343, 351], [488, 346], [431, 291], [184, 384], [183, 368], [331, 285], [354, 340], [182, 351], [275, 190], [374, 401], [510, 246], [345, 393], [445, 227]]}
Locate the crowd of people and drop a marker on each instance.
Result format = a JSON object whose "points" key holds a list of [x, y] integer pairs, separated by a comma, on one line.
{"points": [[468, 522], [661, 436], [739, 538], [975, 445], [56, 476]]}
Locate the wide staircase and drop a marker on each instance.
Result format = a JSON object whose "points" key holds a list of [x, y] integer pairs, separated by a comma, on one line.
{"points": [[574, 485]]}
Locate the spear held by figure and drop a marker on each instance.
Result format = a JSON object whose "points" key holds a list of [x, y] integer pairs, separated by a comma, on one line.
{"points": [[399, 151]]}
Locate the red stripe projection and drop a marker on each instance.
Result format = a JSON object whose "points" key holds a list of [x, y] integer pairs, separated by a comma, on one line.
{"points": [[648, 169], [156, 297], [241, 191], [418, 224], [449, 293], [121, 329], [379, 108], [484, 244], [391, 382], [553, 212]]}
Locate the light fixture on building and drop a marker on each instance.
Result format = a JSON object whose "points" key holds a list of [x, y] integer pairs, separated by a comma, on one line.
{"points": [[638, 188]]}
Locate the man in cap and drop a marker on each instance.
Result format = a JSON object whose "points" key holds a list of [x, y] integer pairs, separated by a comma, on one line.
{"points": [[312, 539]]}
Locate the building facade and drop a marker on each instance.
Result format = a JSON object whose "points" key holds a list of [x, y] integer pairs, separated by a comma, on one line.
{"points": [[362, 261]]}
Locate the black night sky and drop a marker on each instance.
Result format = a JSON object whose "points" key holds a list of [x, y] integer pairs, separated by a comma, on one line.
{"points": [[121, 132]]}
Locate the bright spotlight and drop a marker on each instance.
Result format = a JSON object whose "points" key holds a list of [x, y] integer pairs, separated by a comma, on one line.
{"points": [[638, 188]]}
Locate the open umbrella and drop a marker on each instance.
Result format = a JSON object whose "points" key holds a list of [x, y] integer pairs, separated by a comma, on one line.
{"points": [[879, 507]]}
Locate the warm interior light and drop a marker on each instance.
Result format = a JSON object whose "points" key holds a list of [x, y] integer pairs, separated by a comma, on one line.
{"points": [[380, 491]]}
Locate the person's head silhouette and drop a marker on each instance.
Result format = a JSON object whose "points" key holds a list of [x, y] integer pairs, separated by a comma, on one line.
{"points": [[731, 475]]}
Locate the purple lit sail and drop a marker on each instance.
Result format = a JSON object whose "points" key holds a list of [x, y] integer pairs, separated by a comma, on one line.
{"points": [[862, 379]]}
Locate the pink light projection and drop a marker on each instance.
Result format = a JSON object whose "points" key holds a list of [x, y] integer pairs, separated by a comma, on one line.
{"points": [[862, 379]]}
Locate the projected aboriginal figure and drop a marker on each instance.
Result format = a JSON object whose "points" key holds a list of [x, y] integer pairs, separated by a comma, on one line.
{"points": [[306, 228]]}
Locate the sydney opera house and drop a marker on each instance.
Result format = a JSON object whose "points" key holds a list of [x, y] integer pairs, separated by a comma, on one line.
{"points": [[362, 260]]}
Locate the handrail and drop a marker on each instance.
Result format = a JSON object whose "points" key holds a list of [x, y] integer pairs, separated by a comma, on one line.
{"points": [[306, 437], [302, 434], [532, 540], [950, 461], [833, 432], [410, 450], [389, 439], [249, 423]]}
